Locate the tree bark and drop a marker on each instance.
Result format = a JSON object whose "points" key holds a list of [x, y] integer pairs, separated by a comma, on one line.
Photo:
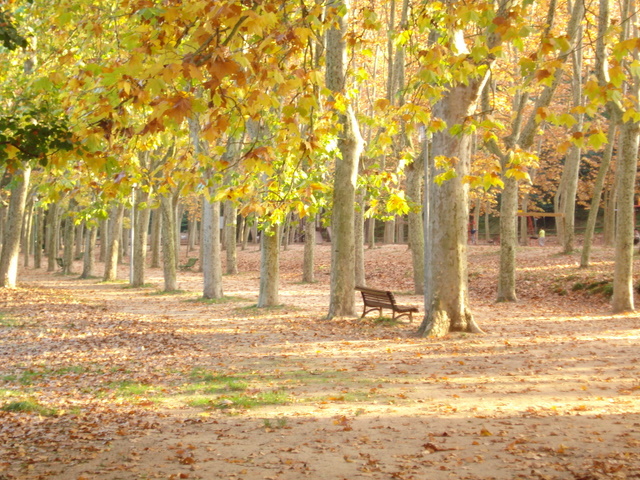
{"points": [[269, 268], [508, 230], [230, 225], [169, 247], [38, 230], [308, 268], [141, 235], [52, 237], [597, 197], [113, 243], [211, 250], [69, 237], [11, 243], [622, 300], [446, 293], [416, 225], [350, 144], [88, 263]]}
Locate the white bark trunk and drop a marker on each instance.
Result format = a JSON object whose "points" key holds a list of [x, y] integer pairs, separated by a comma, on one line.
{"points": [[211, 250], [269, 269], [11, 244]]}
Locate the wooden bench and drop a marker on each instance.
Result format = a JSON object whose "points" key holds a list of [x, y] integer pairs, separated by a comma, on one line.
{"points": [[378, 299], [189, 265]]}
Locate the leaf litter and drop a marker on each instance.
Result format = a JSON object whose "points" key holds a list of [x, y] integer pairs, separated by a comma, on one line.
{"points": [[103, 382]]}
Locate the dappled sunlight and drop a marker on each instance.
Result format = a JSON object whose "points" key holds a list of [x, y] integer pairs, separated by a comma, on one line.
{"points": [[172, 368]]}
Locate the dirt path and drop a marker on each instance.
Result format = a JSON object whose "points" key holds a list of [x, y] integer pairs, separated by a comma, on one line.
{"points": [[134, 384]]}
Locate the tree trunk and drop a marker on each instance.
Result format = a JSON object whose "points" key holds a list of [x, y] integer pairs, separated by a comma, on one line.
{"points": [[269, 268], [622, 300], [309, 250], [211, 250], [11, 243], [169, 247], [609, 221], [52, 237], [350, 143], [38, 230], [597, 196], [230, 224], [88, 263], [104, 240], [113, 243], [359, 241], [69, 236], [79, 239], [446, 293], [508, 229], [141, 235], [416, 225], [156, 229]]}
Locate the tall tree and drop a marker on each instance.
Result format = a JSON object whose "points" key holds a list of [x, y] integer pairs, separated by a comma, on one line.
{"points": [[350, 144]]}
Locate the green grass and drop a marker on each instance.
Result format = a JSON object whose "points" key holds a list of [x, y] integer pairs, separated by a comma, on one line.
{"points": [[128, 388], [168, 292], [9, 322], [215, 301], [29, 406]]}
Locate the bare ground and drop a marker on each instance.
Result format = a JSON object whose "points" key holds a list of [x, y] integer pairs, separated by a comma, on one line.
{"points": [[101, 381]]}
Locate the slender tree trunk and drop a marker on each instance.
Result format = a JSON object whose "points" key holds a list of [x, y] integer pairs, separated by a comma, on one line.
{"points": [[169, 247], [79, 239], [69, 236], [359, 241], [156, 234], [416, 225], [596, 197], [38, 230], [141, 236], [609, 221], [622, 300], [113, 243], [11, 243], [52, 237], [269, 269], [211, 250], [508, 219], [309, 250], [27, 232], [104, 240], [350, 143], [88, 263], [230, 217]]}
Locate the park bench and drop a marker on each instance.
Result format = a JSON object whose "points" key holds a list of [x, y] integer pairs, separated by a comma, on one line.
{"points": [[378, 299], [189, 265]]}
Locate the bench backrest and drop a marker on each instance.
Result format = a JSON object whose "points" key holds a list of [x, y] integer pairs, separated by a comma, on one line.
{"points": [[376, 298]]}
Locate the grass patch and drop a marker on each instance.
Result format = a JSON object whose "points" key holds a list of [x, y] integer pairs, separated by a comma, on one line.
{"points": [[224, 299], [260, 399], [144, 285], [9, 322], [29, 406], [384, 321], [168, 292], [275, 424], [128, 388]]}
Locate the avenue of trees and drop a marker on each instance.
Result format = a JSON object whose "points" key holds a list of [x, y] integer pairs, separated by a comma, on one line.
{"points": [[275, 119]]}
